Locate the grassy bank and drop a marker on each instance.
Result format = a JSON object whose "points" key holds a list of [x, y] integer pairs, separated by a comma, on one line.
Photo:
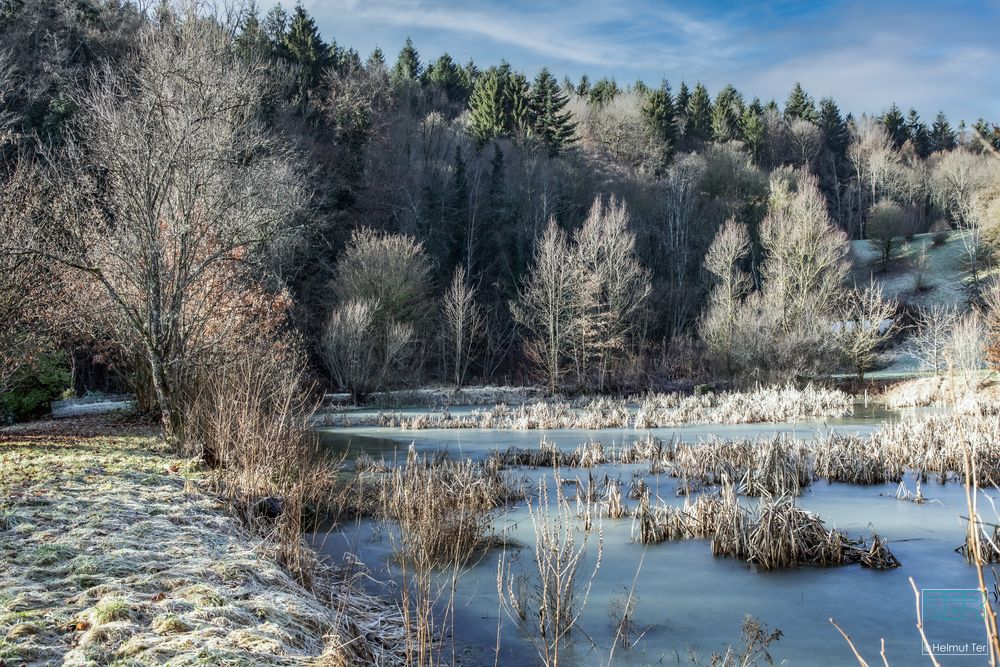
{"points": [[112, 554]]}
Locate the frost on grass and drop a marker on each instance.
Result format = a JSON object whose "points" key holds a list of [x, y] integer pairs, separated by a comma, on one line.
{"points": [[112, 555]]}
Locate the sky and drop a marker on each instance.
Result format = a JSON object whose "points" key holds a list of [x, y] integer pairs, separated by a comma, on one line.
{"points": [[928, 55]]}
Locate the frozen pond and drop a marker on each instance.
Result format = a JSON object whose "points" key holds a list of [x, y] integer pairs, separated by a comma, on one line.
{"points": [[690, 603]]}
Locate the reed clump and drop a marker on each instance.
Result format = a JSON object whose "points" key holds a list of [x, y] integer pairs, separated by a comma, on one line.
{"points": [[445, 509], [987, 544], [764, 404], [856, 460], [775, 465]]}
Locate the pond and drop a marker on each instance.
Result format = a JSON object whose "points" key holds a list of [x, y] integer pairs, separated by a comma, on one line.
{"points": [[688, 602]]}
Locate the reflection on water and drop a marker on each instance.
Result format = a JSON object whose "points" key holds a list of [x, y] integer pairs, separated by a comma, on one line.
{"points": [[689, 601]]}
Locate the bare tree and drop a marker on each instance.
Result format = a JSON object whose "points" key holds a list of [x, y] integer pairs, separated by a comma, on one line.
{"points": [[966, 353], [867, 320], [614, 279], [718, 326], [551, 304], [875, 163], [349, 349], [806, 254], [463, 324], [386, 277], [933, 336], [169, 180], [886, 224]]}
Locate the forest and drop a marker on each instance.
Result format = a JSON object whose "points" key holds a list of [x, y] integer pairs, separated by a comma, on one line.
{"points": [[236, 222]]}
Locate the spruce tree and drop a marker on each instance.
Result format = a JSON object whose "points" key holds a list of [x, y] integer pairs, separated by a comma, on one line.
{"points": [[252, 40], [445, 75], [407, 67], [919, 134], [658, 114], [603, 92], [583, 89], [726, 114], [752, 129], [275, 25], [800, 105], [376, 61], [499, 105], [699, 114], [895, 125], [942, 136], [551, 123], [836, 136], [303, 46]]}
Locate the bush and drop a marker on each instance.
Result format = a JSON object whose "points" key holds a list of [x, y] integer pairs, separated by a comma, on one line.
{"points": [[35, 386]]}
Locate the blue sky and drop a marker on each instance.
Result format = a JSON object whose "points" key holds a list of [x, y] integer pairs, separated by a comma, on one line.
{"points": [[865, 54]]}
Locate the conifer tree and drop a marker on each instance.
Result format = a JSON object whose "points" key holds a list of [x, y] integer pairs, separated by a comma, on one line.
{"points": [[752, 129], [448, 77], [407, 67], [276, 24], [942, 136], [376, 61], [603, 92], [303, 46], [835, 132], [699, 114], [499, 104], [895, 125], [583, 89], [658, 113], [252, 40], [800, 106], [551, 123], [726, 114], [919, 134]]}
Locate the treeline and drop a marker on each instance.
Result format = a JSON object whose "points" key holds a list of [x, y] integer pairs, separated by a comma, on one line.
{"points": [[397, 221]]}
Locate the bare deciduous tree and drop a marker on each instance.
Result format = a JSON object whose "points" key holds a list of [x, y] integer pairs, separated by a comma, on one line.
{"points": [[167, 181], [886, 224], [806, 254], [930, 343], [875, 163], [463, 324], [614, 281], [718, 326], [966, 353], [867, 319], [551, 304]]}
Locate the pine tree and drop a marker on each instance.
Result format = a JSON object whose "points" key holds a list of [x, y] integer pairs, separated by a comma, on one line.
{"points": [[658, 114], [583, 89], [551, 123], [919, 134], [726, 114], [836, 136], [895, 125], [800, 105], [942, 136], [407, 67], [640, 88], [699, 114]]}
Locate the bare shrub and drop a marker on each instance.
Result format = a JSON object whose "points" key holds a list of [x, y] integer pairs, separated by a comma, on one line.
{"points": [[868, 320], [550, 609], [250, 420]]}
